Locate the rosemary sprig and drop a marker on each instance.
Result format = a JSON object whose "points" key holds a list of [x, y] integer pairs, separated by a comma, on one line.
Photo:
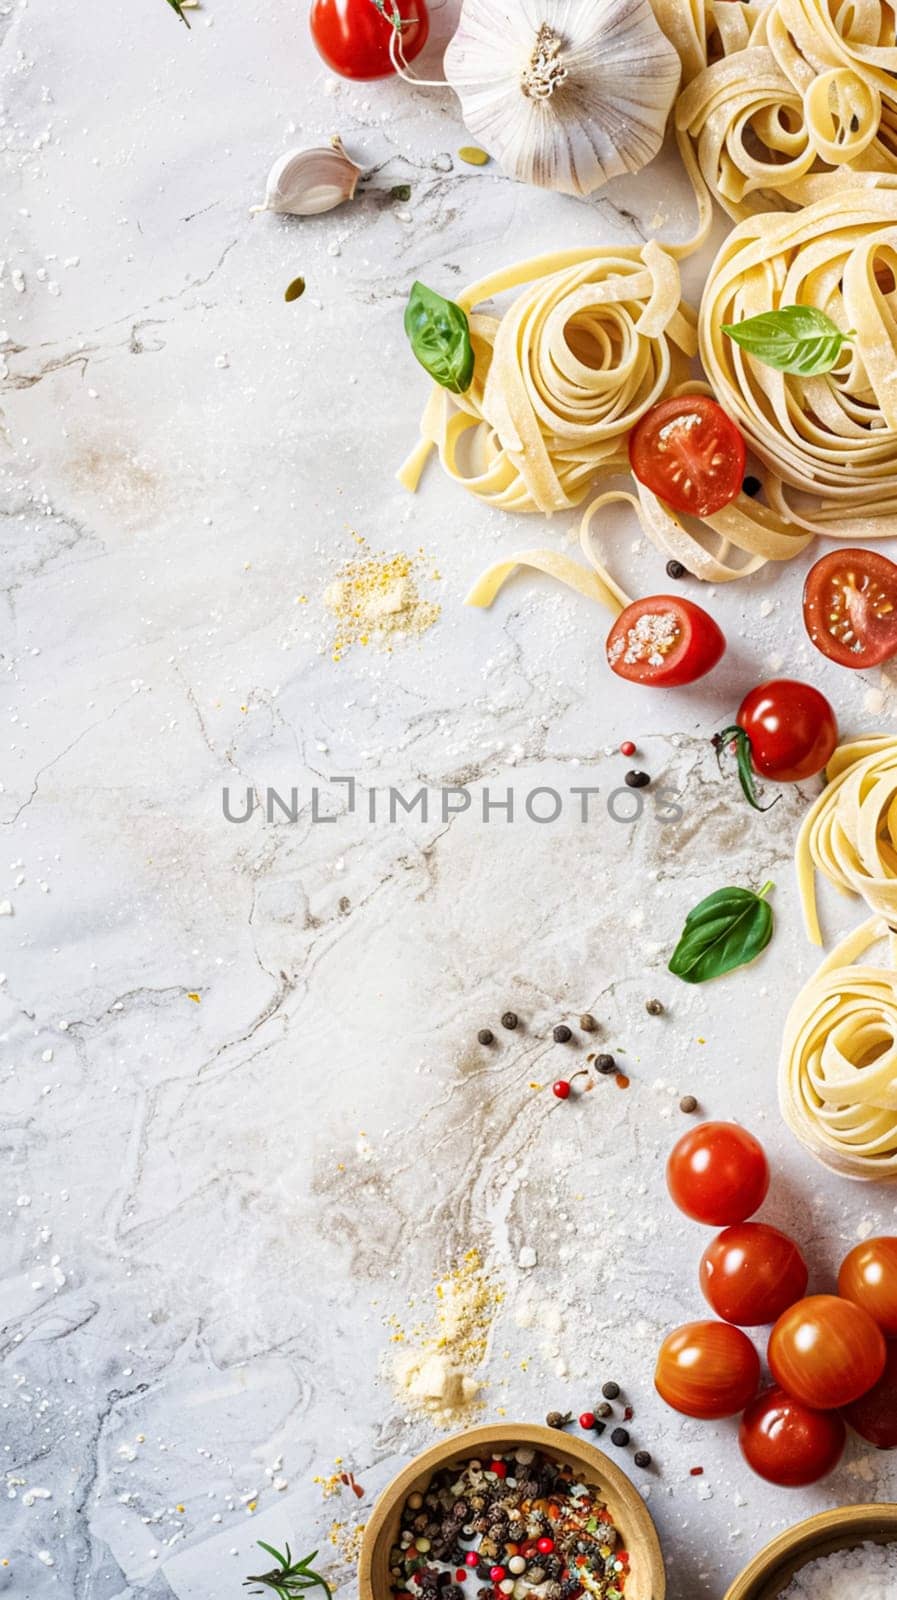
{"points": [[290, 1578], [179, 10]]}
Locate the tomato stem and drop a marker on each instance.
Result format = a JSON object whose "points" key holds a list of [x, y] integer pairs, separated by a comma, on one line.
{"points": [[742, 743]]}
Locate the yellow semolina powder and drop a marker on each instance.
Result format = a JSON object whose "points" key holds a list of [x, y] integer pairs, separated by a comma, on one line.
{"points": [[436, 1374], [375, 600]]}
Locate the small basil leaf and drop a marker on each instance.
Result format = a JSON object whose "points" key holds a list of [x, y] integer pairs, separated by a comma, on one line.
{"points": [[724, 931], [795, 339], [439, 335]]}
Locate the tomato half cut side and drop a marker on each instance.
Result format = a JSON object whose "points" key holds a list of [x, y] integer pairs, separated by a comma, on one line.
{"points": [[664, 641], [689, 453], [850, 607]]}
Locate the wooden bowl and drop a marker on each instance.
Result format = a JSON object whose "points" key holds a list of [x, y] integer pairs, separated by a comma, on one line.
{"points": [[646, 1580], [770, 1572]]}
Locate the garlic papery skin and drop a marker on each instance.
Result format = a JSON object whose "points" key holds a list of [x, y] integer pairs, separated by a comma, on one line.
{"points": [[303, 183], [564, 93]]}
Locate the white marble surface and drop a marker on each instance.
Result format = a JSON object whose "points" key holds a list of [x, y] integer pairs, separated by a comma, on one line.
{"points": [[200, 1249]]}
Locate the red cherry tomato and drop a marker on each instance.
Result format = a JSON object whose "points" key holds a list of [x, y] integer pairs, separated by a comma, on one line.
{"points": [[354, 37], [874, 1415], [788, 1443], [826, 1351], [784, 730], [707, 1370], [664, 641], [850, 607], [688, 453], [718, 1173], [751, 1273], [868, 1277]]}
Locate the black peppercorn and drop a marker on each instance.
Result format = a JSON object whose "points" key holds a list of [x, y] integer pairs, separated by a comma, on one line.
{"points": [[637, 780], [654, 1008], [562, 1034], [642, 1458], [675, 569], [611, 1390], [605, 1064], [587, 1022], [559, 1419], [688, 1104], [486, 1036], [619, 1437], [751, 486], [509, 1019], [604, 1410]]}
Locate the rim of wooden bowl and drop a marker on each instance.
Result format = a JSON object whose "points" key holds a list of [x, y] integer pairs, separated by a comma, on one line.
{"points": [[632, 1517], [775, 1565]]}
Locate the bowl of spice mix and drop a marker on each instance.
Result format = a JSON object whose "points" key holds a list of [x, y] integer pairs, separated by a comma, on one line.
{"points": [[851, 1551], [511, 1511]]}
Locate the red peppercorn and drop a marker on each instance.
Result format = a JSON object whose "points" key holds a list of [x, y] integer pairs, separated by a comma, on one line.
{"points": [[472, 1559], [587, 1420], [697, 1472], [561, 1089], [460, 1575], [500, 1468], [545, 1546], [627, 748], [497, 1574]]}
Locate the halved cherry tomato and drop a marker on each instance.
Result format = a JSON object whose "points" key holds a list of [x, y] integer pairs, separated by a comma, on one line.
{"points": [[751, 1273], [664, 641], [850, 607], [868, 1277], [874, 1415], [688, 453], [354, 36], [784, 730], [718, 1173], [789, 1443], [826, 1351], [707, 1370]]}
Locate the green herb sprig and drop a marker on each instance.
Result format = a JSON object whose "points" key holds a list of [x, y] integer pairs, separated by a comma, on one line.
{"points": [[796, 339], [289, 1578], [178, 9], [726, 930], [439, 334]]}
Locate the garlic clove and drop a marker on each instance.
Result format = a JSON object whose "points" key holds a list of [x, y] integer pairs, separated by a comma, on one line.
{"points": [[303, 183], [564, 93]]}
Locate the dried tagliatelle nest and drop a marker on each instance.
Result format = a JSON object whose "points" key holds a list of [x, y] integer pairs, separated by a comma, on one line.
{"points": [[783, 99], [838, 1068]]}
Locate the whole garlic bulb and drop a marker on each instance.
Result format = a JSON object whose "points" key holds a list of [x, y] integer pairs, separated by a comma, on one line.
{"points": [[564, 93], [303, 183]]}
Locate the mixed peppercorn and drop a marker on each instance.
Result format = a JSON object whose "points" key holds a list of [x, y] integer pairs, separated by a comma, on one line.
{"points": [[520, 1523]]}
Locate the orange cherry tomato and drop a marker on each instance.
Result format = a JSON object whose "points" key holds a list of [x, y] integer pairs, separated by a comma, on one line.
{"points": [[825, 1351], [868, 1277], [787, 1442], [751, 1273], [718, 1173], [707, 1370]]}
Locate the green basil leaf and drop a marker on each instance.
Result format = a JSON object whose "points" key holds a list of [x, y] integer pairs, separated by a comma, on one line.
{"points": [[726, 930], [439, 334], [797, 339]]}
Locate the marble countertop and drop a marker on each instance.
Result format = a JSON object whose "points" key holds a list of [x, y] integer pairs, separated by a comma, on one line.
{"points": [[245, 1120]]}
